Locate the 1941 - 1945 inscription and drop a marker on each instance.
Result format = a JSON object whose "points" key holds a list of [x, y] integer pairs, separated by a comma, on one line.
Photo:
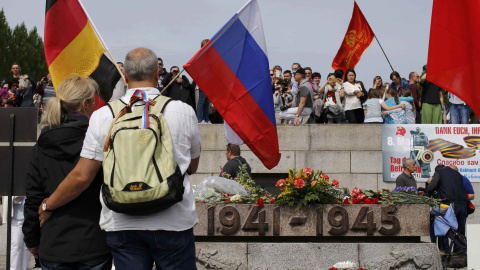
{"points": [[330, 220]]}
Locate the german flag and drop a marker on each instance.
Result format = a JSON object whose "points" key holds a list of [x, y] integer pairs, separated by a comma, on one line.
{"points": [[73, 46]]}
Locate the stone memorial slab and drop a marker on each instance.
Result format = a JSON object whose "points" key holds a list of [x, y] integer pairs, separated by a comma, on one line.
{"points": [[328, 220]]}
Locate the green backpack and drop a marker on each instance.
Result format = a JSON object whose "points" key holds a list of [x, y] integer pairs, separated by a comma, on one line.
{"points": [[141, 175]]}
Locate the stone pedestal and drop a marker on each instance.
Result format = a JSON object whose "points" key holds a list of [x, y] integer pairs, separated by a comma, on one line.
{"points": [[318, 256], [241, 236]]}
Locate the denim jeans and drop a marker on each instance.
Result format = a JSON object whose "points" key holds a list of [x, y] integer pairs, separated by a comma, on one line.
{"points": [[202, 107], [459, 113], [100, 263], [139, 249]]}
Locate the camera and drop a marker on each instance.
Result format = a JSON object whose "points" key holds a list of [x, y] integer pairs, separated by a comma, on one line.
{"points": [[283, 108]]}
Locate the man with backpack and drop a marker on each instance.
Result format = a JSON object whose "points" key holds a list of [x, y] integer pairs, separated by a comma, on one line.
{"points": [[148, 145]]}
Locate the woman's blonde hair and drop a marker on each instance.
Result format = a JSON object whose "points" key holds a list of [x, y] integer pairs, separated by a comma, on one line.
{"points": [[69, 98]]}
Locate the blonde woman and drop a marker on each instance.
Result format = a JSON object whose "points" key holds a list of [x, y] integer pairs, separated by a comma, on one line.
{"points": [[72, 238]]}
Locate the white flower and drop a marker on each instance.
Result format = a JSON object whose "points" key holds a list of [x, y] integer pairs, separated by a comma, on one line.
{"points": [[345, 265], [235, 198]]}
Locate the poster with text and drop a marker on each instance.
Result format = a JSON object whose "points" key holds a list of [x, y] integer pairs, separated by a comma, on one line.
{"points": [[429, 146]]}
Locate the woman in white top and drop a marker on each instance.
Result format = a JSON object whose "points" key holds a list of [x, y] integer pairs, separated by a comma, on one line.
{"points": [[353, 107]]}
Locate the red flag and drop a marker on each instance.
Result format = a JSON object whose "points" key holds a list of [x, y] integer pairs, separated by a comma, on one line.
{"points": [[453, 52], [357, 39]]}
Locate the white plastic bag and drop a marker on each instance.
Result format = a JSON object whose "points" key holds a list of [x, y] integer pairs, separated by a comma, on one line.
{"points": [[210, 188]]}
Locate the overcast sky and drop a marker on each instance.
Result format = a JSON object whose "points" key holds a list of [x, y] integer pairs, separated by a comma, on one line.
{"points": [[309, 33]]}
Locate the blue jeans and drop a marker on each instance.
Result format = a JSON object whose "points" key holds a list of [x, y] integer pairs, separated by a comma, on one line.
{"points": [[202, 107], [139, 249], [459, 113], [100, 263]]}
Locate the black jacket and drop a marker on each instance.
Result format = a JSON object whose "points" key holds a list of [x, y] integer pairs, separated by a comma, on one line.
{"points": [[184, 91], [232, 167], [449, 185], [72, 234]]}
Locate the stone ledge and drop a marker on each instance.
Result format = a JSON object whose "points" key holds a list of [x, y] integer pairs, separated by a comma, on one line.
{"points": [[246, 220], [308, 137]]}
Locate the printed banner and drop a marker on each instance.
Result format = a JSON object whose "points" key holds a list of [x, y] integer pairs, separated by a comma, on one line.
{"points": [[429, 146]]}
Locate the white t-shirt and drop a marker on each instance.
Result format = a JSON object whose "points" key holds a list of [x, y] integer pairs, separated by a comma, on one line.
{"points": [[351, 100], [183, 126]]}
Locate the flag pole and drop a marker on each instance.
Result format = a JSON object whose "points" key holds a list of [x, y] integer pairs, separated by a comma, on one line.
{"points": [[103, 42], [174, 78], [383, 52]]}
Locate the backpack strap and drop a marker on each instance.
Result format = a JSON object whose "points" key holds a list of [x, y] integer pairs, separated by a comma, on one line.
{"points": [[162, 102], [115, 107]]}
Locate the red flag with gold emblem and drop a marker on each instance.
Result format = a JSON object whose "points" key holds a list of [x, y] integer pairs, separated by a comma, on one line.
{"points": [[357, 39]]}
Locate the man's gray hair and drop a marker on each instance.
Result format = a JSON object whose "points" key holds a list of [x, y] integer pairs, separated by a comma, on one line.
{"points": [[141, 64], [406, 162]]}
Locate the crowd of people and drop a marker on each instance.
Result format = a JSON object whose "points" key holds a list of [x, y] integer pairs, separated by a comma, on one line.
{"points": [[299, 96]]}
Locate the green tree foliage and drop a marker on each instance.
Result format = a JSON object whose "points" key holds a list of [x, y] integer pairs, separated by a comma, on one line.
{"points": [[5, 33], [22, 46]]}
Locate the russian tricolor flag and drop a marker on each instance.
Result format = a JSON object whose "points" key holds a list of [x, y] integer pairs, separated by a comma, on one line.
{"points": [[232, 70]]}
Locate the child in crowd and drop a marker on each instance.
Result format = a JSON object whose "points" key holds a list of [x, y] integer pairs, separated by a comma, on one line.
{"points": [[410, 112], [373, 107], [396, 116]]}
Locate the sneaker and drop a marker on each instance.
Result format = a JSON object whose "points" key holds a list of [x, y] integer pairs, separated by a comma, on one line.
{"points": [[209, 122], [203, 122]]}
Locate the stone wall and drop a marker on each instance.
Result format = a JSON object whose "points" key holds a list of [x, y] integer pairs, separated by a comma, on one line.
{"points": [[317, 256], [350, 153]]}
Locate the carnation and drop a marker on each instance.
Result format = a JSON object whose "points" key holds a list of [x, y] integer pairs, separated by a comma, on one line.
{"points": [[280, 183], [260, 202], [335, 183], [307, 171], [299, 183]]}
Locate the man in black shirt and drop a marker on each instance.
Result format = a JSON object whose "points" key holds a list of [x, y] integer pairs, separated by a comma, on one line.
{"points": [[432, 102], [448, 182], [235, 161], [406, 179]]}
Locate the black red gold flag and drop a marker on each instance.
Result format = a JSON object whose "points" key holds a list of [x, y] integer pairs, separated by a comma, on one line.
{"points": [[73, 46]]}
